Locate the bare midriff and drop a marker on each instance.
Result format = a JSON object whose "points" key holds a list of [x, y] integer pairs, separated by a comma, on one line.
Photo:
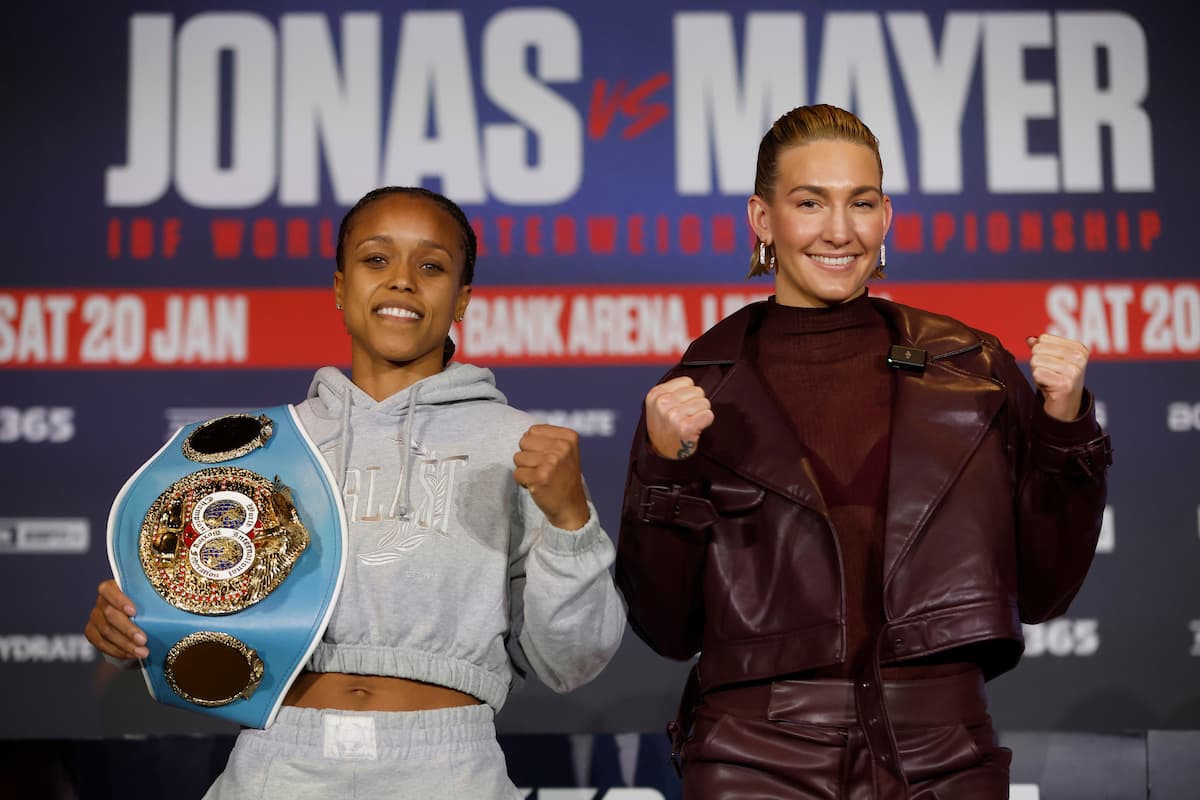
{"points": [[371, 693]]}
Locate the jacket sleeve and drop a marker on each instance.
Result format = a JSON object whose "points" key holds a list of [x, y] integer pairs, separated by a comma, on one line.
{"points": [[1061, 487], [661, 548], [565, 615]]}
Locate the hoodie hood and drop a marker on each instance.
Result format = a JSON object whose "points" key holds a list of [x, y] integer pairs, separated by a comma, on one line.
{"points": [[331, 392], [334, 402]]}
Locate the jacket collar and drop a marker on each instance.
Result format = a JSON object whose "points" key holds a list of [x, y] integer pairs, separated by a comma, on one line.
{"points": [[939, 419], [941, 413], [939, 336], [766, 450]]}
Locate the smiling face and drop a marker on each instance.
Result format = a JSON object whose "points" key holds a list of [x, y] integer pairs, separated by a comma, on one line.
{"points": [[825, 218], [400, 286]]}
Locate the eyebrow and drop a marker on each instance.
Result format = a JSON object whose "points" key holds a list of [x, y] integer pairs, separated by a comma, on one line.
{"points": [[821, 191], [384, 238]]}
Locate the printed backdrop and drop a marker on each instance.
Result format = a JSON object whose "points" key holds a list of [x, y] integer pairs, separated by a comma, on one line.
{"points": [[175, 174]]}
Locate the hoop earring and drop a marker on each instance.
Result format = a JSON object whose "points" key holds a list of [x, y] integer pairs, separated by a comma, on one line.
{"points": [[878, 271], [764, 262]]}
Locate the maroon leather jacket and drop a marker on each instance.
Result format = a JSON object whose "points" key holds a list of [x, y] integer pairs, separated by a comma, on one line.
{"points": [[993, 513]]}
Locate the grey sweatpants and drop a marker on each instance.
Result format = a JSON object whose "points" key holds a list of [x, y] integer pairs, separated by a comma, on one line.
{"points": [[309, 753]]}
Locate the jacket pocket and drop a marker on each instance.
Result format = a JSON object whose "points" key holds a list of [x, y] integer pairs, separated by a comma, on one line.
{"points": [[929, 752]]}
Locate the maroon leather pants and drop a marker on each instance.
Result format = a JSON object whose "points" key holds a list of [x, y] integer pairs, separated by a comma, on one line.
{"points": [[802, 739]]}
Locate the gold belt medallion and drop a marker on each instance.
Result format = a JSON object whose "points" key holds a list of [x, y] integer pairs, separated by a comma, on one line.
{"points": [[210, 668], [220, 539], [227, 437]]}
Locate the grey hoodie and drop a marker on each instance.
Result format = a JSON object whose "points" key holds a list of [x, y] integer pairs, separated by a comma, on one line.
{"points": [[453, 575]]}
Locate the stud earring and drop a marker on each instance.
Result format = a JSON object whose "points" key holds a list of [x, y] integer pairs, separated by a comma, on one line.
{"points": [[338, 306]]}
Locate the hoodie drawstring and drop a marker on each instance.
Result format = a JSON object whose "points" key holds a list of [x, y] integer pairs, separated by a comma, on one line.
{"points": [[344, 452], [347, 435], [405, 481]]}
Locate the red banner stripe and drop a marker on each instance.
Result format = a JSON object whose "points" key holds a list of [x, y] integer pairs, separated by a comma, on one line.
{"points": [[44, 328]]}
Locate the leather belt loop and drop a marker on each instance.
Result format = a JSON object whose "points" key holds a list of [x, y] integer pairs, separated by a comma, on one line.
{"points": [[873, 718], [668, 505]]}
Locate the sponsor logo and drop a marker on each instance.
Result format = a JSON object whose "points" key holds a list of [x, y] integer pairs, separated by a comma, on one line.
{"points": [[44, 535], [53, 424], [598, 422], [1063, 637], [22, 649], [1183, 417]]}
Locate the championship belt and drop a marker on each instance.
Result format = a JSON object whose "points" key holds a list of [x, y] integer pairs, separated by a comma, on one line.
{"points": [[230, 543]]}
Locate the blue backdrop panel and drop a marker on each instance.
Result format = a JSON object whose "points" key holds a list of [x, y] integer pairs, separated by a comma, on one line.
{"points": [[176, 172]]}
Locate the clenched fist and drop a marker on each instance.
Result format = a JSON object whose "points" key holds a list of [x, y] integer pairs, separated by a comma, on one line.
{"points": [[548, 466], [1057, 365], [677, 411]]}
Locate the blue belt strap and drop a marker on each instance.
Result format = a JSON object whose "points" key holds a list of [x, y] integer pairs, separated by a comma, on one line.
{"points": [[285, 626]]}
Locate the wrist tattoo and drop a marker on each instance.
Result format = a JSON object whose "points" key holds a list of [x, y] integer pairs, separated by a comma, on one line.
{"points": [[685, 449]]}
